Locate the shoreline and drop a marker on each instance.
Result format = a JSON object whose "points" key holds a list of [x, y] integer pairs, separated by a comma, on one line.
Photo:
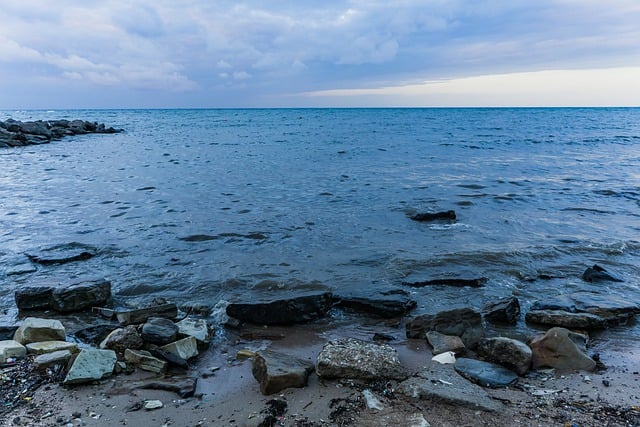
{"points": [[231, 396]]}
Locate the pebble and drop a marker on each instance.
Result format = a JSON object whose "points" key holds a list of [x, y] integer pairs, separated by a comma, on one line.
{"points": [[153, 404]]}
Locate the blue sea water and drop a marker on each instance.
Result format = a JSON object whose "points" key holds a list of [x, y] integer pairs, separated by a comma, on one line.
{"points": [[210, 205]]}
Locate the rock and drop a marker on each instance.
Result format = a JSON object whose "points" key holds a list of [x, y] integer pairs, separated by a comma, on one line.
{"points": [[613, 309], [197, 328], [11, 348], [150, 405], [94, 335], [448, 357], [145, 361], [159, 330], [598, 274], [458, 283], [46, 360], [183, 386], [185, 348], [508, 352], [434, 216], [172, 358], [485, 373], [371, 400], [33, 298], [123, 338], [386, 304], [81, 295], [43, 260], [169, 311], [565, 319], [7, 332], [34, 329], [14, 133], [442, 343], [351, 358], [290, 311], [275, 371], [441, 383], [463, 322], [556, 349], [44, 347], [504, 311], [91, 365], [196, 307]]}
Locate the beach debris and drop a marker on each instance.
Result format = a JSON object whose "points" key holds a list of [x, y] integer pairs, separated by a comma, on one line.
{"points": [[352, 358], [434, 216], [447, 357], [503, 311], [276, 371], [150, 405], [371, 400], [508, 352]]}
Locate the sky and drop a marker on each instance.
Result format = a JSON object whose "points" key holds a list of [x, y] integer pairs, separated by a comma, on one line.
{"points": [[331, 53]]}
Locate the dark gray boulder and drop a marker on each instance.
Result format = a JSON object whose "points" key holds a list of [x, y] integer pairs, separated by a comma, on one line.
{"points": [[81, 295], [289, 311], [159, 330], [386, 304], [508, 352], [599, 274], [485, 374], [433, 216], [503, 311], [33, 297], [94, 335], [463, 322]]}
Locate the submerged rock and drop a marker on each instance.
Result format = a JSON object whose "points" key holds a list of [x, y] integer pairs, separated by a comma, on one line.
{"points": [[289, 311], [565, 319], [459, 283], [275, 371], [141, 315], [33, 297], [351, 358], [557, 349], [609, 307], [81, 295], [598, 274], [463, 322], [485, 373], [433, 216]]}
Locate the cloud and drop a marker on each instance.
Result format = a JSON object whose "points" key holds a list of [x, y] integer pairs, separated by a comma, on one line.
{"points": [[273, 49]]}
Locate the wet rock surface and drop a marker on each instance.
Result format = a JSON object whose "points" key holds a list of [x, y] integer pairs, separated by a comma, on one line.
{"points": [[351, 358], [386, 304], [15, 133], [463, 322], [288, 311], [485, 374], [504, 311], [276, 371]]}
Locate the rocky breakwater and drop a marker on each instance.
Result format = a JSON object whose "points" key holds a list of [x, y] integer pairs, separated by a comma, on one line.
{"points": [[15, 133]]}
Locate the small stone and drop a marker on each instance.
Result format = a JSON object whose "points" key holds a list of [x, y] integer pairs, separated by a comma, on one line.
{"points": [[44, 347], [159, 330], [150, 405], [11, 349], [185, 348], [442, 343], [145, 361]]}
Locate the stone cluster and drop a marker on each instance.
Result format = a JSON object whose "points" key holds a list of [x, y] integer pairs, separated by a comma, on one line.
{"points": [[15, 133]]}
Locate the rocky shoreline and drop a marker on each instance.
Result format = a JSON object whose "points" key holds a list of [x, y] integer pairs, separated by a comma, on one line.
{"points": [[462, 366], [15, 133]]}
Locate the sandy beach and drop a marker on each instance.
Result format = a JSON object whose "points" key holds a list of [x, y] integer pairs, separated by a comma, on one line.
{"points": [[228, 395]]}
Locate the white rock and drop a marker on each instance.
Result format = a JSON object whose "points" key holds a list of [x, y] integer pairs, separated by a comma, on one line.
{"points": [[372, 401], [153, 404], [448, 357], [34, 329], [11, 348]]}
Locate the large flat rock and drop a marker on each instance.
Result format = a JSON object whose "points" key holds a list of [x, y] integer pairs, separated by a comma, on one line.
{"points": [[290, 311], [91, 365], [441, 383]]}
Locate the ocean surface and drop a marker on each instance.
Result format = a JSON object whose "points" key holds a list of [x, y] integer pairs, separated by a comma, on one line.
{"points": [[229, 205]]}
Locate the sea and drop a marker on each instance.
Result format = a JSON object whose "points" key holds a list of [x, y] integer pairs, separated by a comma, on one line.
{"points": [[226, 205]]}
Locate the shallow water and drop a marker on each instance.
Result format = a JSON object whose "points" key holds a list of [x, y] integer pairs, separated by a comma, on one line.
{"points": [[204, 205]]}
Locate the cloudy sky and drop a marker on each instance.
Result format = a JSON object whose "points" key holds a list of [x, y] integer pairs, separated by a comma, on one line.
{"points": [[258, 53]]}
